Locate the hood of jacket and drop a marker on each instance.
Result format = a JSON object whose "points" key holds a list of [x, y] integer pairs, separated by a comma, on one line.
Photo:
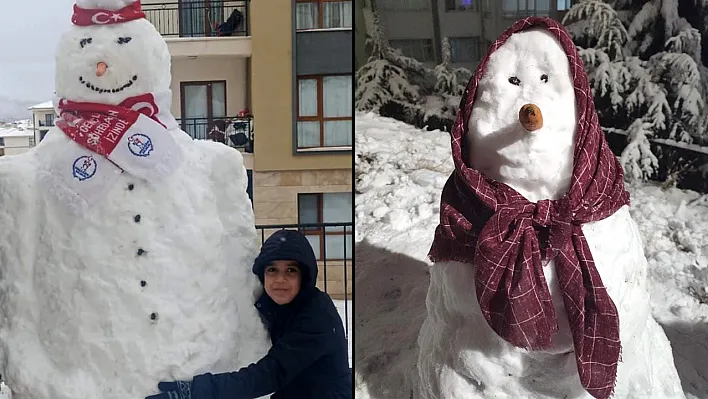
{"points": [[289, 245]]}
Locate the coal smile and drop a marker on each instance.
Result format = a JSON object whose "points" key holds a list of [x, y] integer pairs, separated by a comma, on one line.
{"points": [[99, 90]]}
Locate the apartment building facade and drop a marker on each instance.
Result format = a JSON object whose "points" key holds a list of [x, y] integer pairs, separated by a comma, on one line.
{"points": [[274, 80], [417, 27], [302, 87], [15, 140]]}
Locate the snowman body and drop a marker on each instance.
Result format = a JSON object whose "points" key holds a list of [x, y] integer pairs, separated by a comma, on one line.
{"points": [[150, 282], [460, 355]]}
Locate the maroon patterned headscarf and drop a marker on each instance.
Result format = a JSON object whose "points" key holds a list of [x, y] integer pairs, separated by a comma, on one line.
{"points": [[506, 237]]}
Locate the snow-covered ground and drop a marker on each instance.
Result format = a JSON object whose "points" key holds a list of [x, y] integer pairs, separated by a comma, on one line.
{"points": [[400, 174]]}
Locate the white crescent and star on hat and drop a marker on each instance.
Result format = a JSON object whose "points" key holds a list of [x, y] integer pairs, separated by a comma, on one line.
{"points": [[98, 18]]}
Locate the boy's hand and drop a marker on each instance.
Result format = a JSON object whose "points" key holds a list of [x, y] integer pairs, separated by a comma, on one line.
{"points": [[173, 390]]}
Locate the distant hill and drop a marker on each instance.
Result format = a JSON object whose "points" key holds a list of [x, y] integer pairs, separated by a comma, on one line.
{"points": [[14, 109]]}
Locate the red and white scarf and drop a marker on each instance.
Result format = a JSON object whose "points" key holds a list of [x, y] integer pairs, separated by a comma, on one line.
{"points": [[134, 137]]}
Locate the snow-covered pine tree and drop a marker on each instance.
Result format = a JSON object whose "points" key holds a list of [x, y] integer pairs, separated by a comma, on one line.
{"points": [[644, 62], [445, 77], [442, 104], [379, 81]]}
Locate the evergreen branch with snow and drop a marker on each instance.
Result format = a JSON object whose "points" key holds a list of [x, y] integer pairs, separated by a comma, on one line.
{"points": [[655, 86], [637, 158], [602, 23]]}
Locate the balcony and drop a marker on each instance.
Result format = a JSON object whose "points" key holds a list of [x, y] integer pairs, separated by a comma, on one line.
{"points": [[236, 132], [202, 27]]}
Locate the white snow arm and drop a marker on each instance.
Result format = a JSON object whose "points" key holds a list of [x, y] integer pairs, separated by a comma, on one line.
{"points": [[18, 238], [230, 184], [236, 211]]}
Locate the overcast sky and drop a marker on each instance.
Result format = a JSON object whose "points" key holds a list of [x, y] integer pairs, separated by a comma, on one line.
{"points": [[29, 32]]}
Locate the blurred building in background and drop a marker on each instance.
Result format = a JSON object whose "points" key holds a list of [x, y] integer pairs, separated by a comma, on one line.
{"points": [[417, 27]]}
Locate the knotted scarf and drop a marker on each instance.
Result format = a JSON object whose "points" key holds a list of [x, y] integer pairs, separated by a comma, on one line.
{"points": [[488, 224]]}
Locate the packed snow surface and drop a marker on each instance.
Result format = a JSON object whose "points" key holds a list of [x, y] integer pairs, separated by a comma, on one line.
{"points": [[345, 312], [105, 305], [150, 280], [400, 174]]}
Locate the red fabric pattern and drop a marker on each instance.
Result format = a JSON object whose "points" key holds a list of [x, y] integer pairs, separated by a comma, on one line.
{"points": [[87, 17], [488, 224], [100, 127]]}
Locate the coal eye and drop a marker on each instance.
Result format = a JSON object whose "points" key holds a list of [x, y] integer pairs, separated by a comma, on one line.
{"points": [[86, 41], [514, 80], [124, 40], [544, 78]]}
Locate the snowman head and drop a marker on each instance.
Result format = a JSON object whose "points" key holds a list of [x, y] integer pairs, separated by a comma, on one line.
{"points": [[110, 53], [523, 121]]}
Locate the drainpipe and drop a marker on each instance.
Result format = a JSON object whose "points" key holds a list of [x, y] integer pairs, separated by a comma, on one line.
{"points": [[437, 45]]}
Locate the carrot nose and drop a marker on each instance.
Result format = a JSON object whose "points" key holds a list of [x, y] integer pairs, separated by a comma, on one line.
{"points": [[530, 117], [101, 68]]}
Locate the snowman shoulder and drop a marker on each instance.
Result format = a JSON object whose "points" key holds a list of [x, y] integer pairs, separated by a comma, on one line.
{"points": [[224, 159], [18, 190], [16, 172]]}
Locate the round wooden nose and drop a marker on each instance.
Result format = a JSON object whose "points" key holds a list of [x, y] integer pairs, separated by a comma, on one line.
{"points": [[101, 68], [530, 117]]}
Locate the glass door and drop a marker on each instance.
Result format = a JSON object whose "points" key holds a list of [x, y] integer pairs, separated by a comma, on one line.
{"points": [[202, 104]]}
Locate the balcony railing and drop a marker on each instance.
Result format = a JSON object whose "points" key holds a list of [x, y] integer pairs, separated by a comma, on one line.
{"points": [[236, 132], [344, 264], [199, 18]]}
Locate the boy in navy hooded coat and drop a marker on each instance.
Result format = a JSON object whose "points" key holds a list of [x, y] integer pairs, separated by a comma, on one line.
{"points": [[308, 358]]}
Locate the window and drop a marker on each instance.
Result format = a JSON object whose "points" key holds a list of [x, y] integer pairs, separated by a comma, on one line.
{"points": [[419, 49], [42, 133], [335, 242], [49, 120], [323, 14], [518, 8], [404, 5], [563, 5], [464, 49], [324, 117], [461, 5]]}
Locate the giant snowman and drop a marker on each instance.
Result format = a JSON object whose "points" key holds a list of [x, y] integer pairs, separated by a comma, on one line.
{"points": [[125, 246], [539, 287]]}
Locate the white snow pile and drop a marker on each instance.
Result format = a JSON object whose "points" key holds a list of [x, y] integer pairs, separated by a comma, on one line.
{"points": [[400, 174]]}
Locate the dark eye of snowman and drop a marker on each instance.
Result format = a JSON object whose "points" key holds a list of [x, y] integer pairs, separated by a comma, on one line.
{"points": [[544, 78], [86, 41], [124, 40], [514, 80]]}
